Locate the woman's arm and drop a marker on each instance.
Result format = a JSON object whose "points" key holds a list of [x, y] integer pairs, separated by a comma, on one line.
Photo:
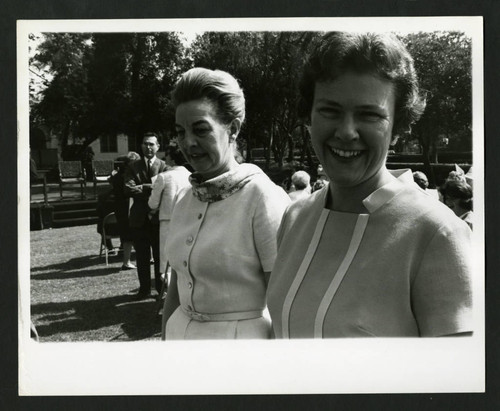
{"points": [[441, 291], [171, 302], [155, 197]]}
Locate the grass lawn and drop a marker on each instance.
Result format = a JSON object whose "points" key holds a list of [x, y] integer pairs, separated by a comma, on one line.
{"points": [[75, 297]]}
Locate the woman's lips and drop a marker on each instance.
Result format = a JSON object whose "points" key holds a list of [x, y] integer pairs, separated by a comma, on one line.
{"points": [[345, 154]]}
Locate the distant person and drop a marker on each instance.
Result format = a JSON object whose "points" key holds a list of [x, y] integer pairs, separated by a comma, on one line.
{"points": [[421, 180], [321, 175], [33, 169], [457, 195], [221, 243], [321, 180], [139, 178], [165, 191], [469, 177], [318, 185], [301, 182], [121, 207]]}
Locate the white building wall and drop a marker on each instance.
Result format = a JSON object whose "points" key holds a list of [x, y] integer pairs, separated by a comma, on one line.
{"points": [[122, 147]]}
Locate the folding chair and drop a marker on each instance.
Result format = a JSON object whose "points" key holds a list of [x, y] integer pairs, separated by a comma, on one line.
{"points": [[71, 172], [101, 170], [164, 287], [109, 231]]}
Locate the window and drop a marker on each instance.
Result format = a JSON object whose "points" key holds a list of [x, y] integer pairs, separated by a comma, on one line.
{"points": [[109, 144]]}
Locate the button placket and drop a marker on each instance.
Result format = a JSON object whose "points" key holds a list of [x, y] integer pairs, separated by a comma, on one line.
{"points": [[190, 241]]}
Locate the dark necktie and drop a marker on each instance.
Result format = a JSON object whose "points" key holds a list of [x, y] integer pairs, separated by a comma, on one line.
{"points": [[149, 168]]}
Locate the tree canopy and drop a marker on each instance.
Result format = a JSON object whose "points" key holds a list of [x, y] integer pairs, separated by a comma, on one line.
{"points": [[105, 83]]}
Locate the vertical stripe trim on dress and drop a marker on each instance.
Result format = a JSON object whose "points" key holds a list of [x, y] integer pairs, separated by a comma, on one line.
{"points": [[357, 236], [292, 292]]}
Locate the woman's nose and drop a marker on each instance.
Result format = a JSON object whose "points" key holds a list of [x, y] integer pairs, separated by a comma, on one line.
{"points": [[190, 140], [347, 128]]}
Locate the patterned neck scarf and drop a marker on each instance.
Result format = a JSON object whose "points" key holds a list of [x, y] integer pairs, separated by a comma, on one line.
{"points": [[225, 185]]}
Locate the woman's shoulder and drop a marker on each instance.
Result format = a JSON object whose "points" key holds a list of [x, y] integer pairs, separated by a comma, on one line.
{"points": [[427, 209], [182, 194], [306, 206], [260, 182]]}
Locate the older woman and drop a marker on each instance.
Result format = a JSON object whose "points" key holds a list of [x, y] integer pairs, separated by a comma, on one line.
{"points": [[222, 235], [370, 254]]}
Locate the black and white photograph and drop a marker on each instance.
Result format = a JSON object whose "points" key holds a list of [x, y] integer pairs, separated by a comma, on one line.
{"points": [[251, 206]]}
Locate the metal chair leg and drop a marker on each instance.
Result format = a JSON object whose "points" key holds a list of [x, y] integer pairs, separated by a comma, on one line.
{"points": [[164, 288], [103, 245]]}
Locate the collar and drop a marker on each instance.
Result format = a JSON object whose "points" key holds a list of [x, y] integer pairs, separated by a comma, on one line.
{"points": [[149, 160], [225, 185], [385, 193]]}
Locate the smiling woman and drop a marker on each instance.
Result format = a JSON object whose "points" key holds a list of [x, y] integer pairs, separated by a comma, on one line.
{"points": [[370, 254], [222, 235]]}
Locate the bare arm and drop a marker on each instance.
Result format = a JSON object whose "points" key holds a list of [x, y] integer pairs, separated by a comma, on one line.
{"points": [[171, 302], [156, 193], [132, 188]]}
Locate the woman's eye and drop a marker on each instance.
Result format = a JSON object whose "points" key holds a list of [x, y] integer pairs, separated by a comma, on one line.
{"points": [[370, 116], [180, 133], [201, 131], [329, 112]]}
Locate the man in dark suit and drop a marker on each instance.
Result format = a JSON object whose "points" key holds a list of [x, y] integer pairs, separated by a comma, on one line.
{"points": [[138, 178]]}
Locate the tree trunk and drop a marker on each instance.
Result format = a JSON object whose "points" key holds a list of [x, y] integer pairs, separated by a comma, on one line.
{"points": [[291, 148], [269, 148], [248, 139], [306, 150], [135, 84], [424, 141]]}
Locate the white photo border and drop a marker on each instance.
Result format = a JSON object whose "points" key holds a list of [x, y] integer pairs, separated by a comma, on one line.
{"points": [[381, 365]]}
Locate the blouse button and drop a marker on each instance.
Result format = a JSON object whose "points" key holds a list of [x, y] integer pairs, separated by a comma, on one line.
{"points": [[199, 216], [190, 285], [184, 263], [189, 240]]}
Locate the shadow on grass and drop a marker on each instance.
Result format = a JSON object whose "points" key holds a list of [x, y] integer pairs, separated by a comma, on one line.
{"points": [[138, 320], [79, 262], [77, 273]]}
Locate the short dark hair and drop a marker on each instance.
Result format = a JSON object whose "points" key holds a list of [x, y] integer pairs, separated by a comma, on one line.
{"points": [[175, 154], [458, 190], [150, 134], [383, 55], [217, 86]]}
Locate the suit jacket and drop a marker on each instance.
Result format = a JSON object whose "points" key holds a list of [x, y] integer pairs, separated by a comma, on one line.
{"points": [[138, 186]]}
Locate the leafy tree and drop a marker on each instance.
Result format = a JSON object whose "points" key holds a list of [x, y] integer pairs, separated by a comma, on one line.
{"points": [[443, 63], [268, 65], [64, 103], [106, 83]]}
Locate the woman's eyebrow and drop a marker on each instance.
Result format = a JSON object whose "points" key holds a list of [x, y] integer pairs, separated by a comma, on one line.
{"points": [[329, 101], [371, 107], [197, 123]]}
